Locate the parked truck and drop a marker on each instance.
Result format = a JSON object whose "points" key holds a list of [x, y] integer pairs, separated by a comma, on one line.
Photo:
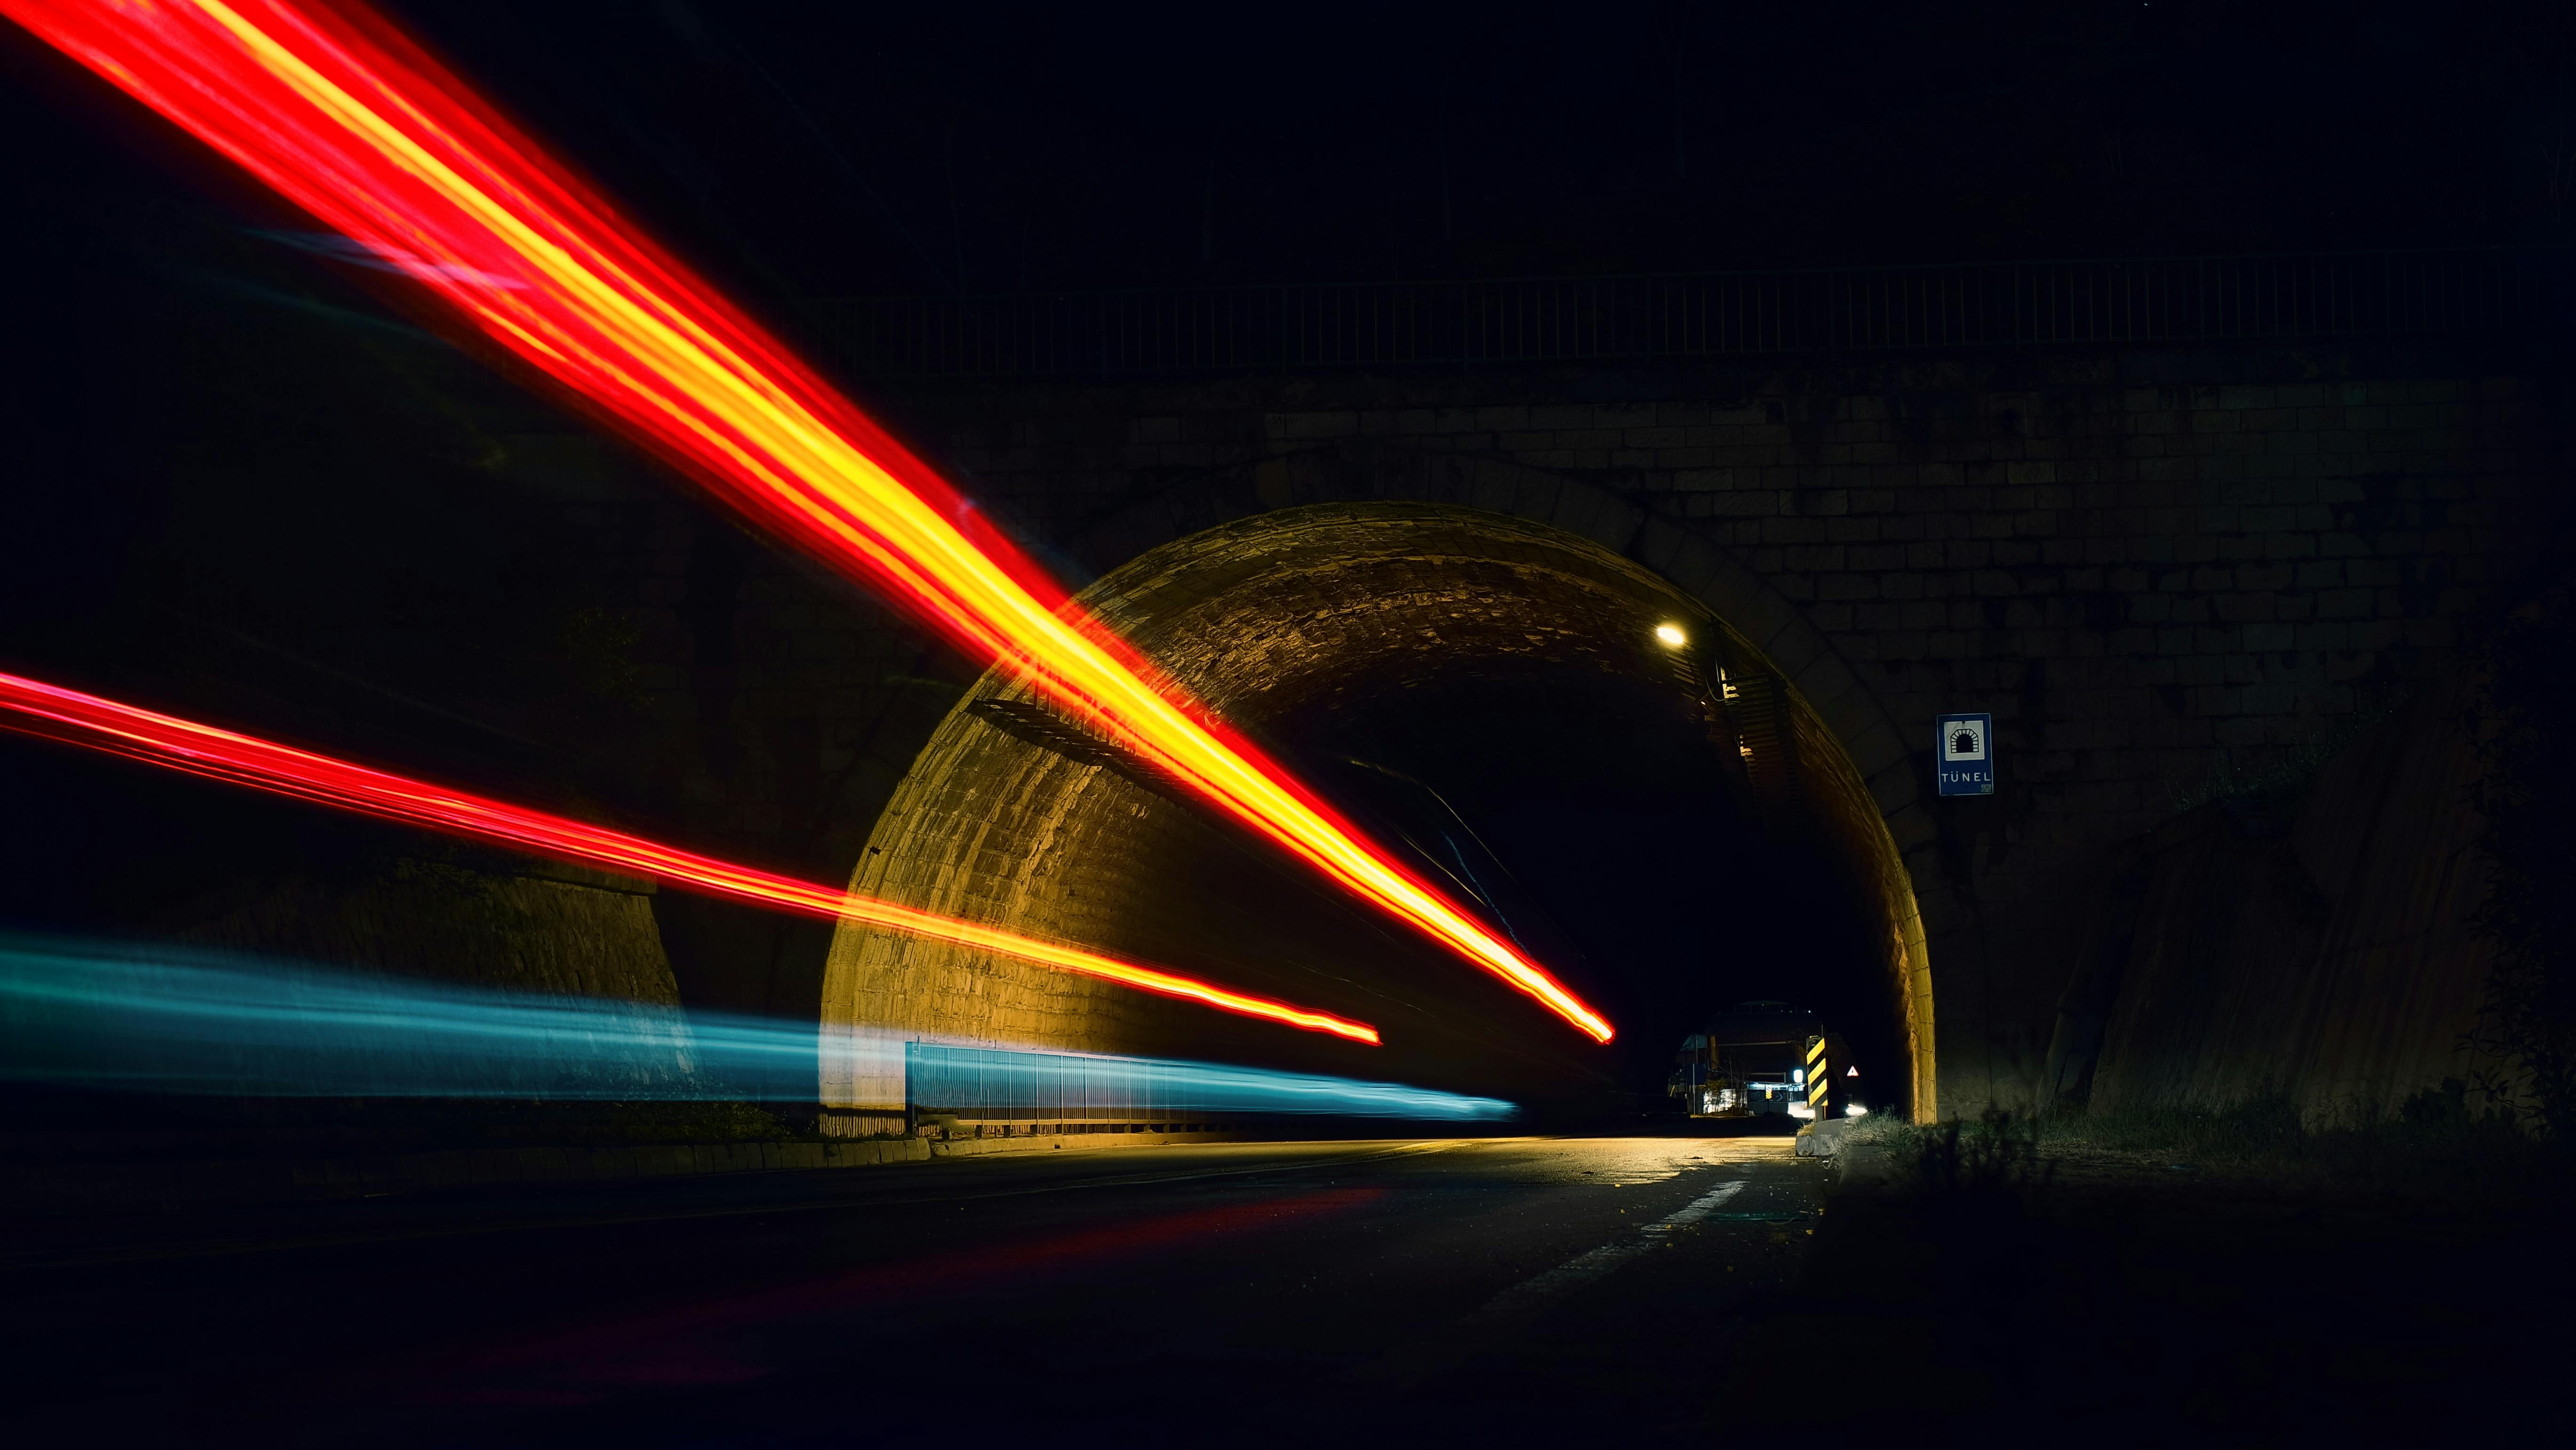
{"points": [[1762, 1058]]}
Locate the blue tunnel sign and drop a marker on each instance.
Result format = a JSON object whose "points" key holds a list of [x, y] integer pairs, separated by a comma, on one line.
{"points": [[1964, 757]]}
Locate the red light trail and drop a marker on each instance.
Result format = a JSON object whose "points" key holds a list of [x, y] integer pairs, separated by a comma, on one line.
{"points": [[332, 107], [36, 708]]}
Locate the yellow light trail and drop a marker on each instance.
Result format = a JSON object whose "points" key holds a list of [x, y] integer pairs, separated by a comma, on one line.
{"points": [[37, 708], [332, 107]]}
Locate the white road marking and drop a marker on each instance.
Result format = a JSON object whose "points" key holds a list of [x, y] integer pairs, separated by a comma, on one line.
{"points": [[1524, 1297]]}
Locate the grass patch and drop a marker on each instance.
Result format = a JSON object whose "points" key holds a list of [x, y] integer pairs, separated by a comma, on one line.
{"points": [[2336, 1285], [2440, 1143]]}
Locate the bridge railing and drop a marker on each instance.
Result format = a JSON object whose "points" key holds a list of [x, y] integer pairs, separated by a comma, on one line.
{"points": [[2119, 301]]}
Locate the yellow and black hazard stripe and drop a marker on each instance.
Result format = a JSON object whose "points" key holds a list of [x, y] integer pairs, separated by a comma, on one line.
{"points": [[1819, 1075]]}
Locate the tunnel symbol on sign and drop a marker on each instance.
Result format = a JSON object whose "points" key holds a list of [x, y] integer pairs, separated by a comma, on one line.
{"points": [[1964, 748]]}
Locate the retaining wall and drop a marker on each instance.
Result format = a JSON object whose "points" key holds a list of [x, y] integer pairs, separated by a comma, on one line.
{"points": [[2323, 948]]}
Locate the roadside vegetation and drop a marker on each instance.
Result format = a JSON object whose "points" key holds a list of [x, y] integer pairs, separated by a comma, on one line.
{"points": [[2527, 1028], [2233, 1277], [2444, 1141]]}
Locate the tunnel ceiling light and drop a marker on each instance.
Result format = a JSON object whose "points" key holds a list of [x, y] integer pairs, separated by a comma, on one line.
{"points": [[1672, 635], [330, 105], [36, 708]]}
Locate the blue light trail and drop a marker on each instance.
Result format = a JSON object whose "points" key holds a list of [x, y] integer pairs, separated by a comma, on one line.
{"points": [[159, 1018], [991, 1085]]}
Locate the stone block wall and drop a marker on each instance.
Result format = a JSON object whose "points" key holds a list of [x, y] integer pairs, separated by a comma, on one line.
{"points": [[2315, 943], [2160, 572], [778, 706], [2157, 572]]}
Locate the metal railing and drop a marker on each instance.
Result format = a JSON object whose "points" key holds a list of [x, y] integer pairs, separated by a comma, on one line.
{"points": [[2116, 302]]}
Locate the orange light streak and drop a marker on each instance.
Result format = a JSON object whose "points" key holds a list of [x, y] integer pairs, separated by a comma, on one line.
{"points": [[331, 106], [55, 713]]}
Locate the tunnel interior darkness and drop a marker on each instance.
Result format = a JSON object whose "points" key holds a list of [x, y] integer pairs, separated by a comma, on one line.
{"points": [[1439, 672]]}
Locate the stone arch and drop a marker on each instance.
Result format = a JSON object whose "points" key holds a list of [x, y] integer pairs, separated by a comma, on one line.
{"points": [[991, 826], [1357, 471], [1367, 469]]}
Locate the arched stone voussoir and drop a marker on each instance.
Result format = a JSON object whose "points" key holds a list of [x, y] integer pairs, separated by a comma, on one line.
{"points": [[1369, 470], [1691, 562]]}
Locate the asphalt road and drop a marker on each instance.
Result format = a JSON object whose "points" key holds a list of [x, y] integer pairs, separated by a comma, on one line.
{"points": [[1430, 1291]]}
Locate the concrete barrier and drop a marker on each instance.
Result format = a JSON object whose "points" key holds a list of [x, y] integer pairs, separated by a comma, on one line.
{"points": [[1823, 1140]]}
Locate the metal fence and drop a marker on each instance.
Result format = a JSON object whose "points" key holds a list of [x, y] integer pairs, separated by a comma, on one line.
{"points": [[2125, 301]]}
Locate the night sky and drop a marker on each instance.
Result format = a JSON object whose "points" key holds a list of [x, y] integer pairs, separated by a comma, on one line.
{"points": [[834, 148], [1000, 146]]}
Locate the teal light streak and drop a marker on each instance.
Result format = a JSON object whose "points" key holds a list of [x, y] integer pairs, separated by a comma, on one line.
{"points": [[151, 1017]]}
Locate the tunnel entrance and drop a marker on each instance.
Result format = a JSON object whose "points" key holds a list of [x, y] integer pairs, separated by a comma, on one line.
{"points": [[1659, 817]]}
